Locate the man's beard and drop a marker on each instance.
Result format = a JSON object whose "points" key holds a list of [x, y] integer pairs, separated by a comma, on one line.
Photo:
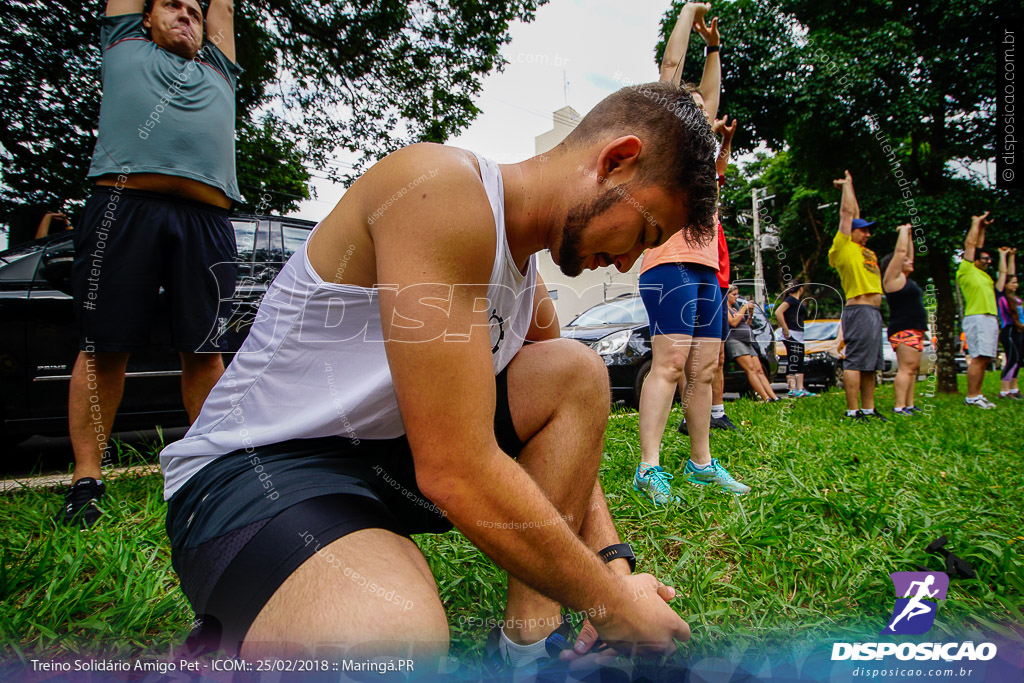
{"points": [[570, 261]]}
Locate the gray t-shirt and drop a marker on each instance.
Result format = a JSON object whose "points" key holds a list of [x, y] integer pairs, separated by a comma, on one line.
{"points": [[162, 113]]}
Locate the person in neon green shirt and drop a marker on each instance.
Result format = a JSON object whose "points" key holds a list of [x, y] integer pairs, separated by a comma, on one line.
{"points": [[862, 316], [981, 326]]}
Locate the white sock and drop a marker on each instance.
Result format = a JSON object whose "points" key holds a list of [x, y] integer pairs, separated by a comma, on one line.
{"points": [[974, 399], [867, 411], [851, 413], [699, 467], [520, 655], [1003, 394], [718, 411]]}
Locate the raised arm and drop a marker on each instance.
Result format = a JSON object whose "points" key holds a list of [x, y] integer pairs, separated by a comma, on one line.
{"points": [[679, 40], [220, 26], [893, 279], [976, 235], [722, 162], [848, 207], [711, 81], [116, 7], [1004, 253]]}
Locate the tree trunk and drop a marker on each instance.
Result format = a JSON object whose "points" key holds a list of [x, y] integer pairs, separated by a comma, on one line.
{"points": [[945, 323]]}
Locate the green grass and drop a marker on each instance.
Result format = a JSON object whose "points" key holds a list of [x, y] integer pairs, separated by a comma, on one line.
{"points": [[835, 508]]}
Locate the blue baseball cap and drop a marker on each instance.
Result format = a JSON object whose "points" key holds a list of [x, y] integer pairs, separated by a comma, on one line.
{"points": [[861, 224]]}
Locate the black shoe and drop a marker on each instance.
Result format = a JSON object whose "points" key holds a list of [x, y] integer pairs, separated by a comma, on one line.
{"points": [[683, 429], [912, 410], [858, 417], [877, 416], [724, 423], [80, 500]]}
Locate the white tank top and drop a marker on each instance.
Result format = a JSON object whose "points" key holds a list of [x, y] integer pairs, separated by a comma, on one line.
{"points": [[314, 365]]}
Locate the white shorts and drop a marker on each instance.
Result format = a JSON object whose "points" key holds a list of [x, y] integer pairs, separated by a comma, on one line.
{"points": [[982, 332]]}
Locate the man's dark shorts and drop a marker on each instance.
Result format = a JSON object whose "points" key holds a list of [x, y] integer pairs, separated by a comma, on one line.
{"points": [[243, 523], [128, 244], [862, 333]]}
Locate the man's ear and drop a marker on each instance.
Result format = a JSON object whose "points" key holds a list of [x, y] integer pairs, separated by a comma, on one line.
{"points": [[145, 20], [619, 158]]}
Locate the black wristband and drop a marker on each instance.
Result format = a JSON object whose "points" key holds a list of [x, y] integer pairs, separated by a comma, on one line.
{"points": [[619, 551], [708, 49]]}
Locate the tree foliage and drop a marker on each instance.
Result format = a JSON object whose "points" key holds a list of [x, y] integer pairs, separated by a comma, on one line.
{"points": [[900, 92], [366, 76]]}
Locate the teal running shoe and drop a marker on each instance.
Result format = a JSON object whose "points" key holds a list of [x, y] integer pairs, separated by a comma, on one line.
{"points": [[653, 483], [803, 393], [714, 474]]}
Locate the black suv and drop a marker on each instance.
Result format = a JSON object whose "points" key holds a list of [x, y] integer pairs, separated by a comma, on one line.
{"points": [[39, 342], [620, 333]]}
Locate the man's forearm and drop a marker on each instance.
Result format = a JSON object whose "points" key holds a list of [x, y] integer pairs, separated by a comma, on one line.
{"points": [[847, 208], [722, 162], [711, 83], [598, 529], [678, 42], [517, 526]]}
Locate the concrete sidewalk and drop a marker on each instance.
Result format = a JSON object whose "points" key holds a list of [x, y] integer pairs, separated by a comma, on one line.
{"points": [[56, 480]]}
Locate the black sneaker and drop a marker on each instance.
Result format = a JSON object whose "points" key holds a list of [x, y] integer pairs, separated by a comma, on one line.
{"points": [[913, 410], [80, 500], [876, 415], [683, 429], [724, 423], [858, 417]]}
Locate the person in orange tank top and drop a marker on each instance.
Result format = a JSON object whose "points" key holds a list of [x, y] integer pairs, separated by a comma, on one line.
{"points": [[680, 290]]}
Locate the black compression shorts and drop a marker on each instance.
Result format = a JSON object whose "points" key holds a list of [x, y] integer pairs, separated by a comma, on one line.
{"points": [[234, 542]]}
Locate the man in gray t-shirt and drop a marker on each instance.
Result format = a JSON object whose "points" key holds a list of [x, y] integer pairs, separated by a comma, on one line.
{"points": [[164, 173]]}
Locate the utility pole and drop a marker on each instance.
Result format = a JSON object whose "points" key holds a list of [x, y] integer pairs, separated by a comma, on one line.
{"points": [[759, 297]]}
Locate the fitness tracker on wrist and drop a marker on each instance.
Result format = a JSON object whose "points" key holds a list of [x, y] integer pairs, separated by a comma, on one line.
{"points": [[617, 551], [708, 49]]}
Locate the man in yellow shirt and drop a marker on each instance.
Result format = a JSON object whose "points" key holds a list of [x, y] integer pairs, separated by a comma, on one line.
{"points": [[862, 317]]}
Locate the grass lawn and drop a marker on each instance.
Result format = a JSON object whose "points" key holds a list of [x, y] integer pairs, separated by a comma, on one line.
{"points": [[835, 508]]}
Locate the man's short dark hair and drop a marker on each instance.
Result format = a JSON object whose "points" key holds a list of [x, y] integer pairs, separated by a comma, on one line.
{"points": [[678, 146], [982, 251]]}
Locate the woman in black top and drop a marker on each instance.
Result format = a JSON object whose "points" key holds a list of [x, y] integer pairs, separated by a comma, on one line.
{"points": [[739, 345], [908, 319], [790, 315]]}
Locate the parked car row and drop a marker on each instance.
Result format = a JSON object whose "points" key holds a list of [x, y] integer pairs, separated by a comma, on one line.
{"points": [[39, 341], [824, 353], [619, 331]]}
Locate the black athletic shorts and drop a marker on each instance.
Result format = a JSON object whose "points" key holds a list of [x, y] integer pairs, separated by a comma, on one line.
{"points": [[130, 243], [243, 523]]}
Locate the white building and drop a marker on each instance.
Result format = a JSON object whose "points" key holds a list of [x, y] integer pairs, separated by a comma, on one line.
{"points": [[573, 295]]}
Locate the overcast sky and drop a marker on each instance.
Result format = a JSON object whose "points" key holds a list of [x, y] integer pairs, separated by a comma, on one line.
{"points": [[588, 43]]}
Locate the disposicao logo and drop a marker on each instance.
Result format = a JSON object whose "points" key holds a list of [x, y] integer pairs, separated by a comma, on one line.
{"points": [[915, 608], [914, 614]]}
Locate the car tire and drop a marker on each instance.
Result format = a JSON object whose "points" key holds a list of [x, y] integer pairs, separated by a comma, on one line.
{"points": [[638, 386]]}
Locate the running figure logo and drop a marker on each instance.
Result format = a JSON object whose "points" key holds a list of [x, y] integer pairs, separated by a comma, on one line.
{"points": [[914, 612]]}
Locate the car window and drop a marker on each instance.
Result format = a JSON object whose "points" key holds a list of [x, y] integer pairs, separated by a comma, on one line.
{"points": [[821, 331], [294, 238], [618, 312], [268, 243], [245, 240]]}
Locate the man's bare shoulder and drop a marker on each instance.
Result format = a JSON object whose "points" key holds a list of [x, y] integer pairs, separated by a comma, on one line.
{"points": [[429, 188]]}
